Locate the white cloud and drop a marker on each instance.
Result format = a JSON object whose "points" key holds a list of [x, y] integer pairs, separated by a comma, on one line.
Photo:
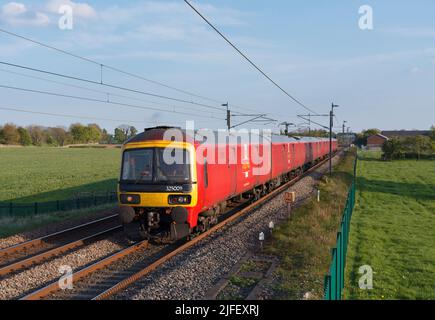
{"points": [[162, 32], [80, 9], [411, 32], [12, 49], [17, 14], [13, 8], [358, 61], [173, 56], [172, 11]]}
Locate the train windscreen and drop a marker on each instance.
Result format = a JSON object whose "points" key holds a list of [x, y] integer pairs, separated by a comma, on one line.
{"points": [[155, 165]]}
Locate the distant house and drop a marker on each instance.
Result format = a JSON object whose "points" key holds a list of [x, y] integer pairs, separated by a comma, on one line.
{"points": [[405, 133], [375, 142]]}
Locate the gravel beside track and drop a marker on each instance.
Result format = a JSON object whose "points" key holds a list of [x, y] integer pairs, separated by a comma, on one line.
{"points": [[15, 285], [192, 273], [53, 227], [100, 280]]}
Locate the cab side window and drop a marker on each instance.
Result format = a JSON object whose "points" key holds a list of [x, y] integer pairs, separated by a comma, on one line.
{"points": [[205, 173]]}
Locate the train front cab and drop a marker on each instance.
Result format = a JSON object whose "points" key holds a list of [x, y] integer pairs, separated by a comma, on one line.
{"points": [[156, 197]]}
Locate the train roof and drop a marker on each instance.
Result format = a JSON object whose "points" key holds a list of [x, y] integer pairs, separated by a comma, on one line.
{"points": [[160, 133]]}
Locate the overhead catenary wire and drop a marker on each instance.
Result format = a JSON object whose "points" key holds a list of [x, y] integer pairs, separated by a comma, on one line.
{"points": [[107, 85], [102, 65], [73, 116], [248, 59], [106, 93], [105, 101], [316, 123]]}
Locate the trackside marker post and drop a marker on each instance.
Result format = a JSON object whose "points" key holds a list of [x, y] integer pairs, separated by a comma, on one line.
{"points": [[289, 198], [318, 195], [271, 226], [261, 238]]}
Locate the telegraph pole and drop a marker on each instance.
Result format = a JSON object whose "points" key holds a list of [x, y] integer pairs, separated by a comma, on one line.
{"points": [[228, 118], [286, 124], [331, 124], [344, 124], [309, 123]]}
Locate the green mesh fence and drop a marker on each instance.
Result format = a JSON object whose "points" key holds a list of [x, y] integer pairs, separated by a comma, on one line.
{"points": [[24, 209], [334, 280]]}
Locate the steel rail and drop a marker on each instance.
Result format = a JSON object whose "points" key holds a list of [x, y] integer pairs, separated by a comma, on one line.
{"points": [[35, 242], [54, 286], [27, 262]]}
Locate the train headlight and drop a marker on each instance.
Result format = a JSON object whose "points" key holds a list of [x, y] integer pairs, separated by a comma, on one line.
{"points": [[129, 198], [179, 199]]}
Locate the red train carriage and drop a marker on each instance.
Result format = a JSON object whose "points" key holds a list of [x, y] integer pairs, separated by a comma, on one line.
{"points": [[161, 196]]}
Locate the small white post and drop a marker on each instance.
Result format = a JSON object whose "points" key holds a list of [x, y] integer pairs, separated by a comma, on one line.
{"points": [[271, 226], [261, 238], [318, 195]]}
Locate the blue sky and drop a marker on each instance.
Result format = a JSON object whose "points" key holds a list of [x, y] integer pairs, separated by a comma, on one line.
{"points": [[314, 49]]}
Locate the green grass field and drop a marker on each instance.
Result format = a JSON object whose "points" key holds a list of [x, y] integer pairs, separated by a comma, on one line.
{"points": [[393, 229], [36, 174]]}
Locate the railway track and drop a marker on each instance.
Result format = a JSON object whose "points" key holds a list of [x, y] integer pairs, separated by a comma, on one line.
{"points": [[32, 252], [111, 275]]}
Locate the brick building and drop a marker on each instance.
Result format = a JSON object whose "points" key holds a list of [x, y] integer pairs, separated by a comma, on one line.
{"points": [[376, 141]]}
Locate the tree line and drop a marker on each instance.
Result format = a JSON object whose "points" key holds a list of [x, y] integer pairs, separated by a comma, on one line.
{"points": [[318, 133], [409, 147], [402, 147], [77, 133]]}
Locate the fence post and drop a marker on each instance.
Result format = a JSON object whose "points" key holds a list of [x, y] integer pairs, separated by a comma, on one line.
{"points": [[343, 258], [334, 274], [327, 286], [339, 265], [36, 207], [334, 281]]}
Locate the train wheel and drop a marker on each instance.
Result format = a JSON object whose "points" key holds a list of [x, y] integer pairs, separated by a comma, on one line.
{"points": [[257, 194]]}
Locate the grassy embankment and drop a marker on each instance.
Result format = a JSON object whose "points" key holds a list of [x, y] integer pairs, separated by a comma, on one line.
{"points": [[304, 242], [35, 174], [393, 229]]}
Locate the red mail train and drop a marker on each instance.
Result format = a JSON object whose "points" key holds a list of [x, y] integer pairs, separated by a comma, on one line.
{"points": [[173, 184]]}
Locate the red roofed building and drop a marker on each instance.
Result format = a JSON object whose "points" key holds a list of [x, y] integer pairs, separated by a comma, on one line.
{"points": [[376, 141]]}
